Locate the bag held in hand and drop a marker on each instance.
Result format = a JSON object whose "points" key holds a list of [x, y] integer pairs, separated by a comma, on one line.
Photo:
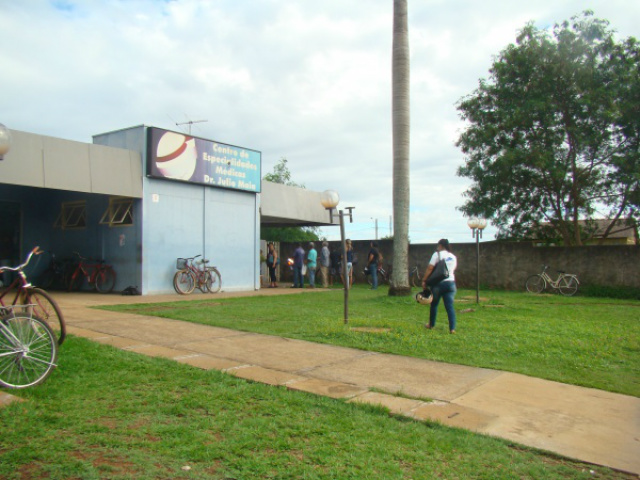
{"points": [[440, 272]]}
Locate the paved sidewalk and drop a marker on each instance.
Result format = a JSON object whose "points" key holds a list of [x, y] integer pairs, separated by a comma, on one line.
{"points": [[582, 423]]}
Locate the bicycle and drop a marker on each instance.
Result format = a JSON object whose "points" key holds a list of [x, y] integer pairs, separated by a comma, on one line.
{"points": [[416, 278], [45, 308], [567, 283], [28, 349], [189, 277], [56, 274], [383, 275], [100, 275]]}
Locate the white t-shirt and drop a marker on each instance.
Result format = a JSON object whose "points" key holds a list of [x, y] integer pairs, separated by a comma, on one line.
{"points": [[452, 263]]}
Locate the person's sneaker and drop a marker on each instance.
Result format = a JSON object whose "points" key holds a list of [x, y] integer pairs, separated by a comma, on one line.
{"points": [[452, 332], [427, 326]]}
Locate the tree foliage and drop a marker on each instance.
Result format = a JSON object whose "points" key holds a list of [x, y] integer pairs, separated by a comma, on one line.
{"points": [[282, 174], [552, 136]]}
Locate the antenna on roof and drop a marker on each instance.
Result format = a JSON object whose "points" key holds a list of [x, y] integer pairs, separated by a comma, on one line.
{"points": [[191, 122]]}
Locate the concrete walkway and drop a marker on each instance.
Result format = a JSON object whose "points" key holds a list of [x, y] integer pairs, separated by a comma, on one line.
{"points": [[582, 423]]}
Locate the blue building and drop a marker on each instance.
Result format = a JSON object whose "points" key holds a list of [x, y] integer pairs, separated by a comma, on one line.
{"points": [[140, 198]]}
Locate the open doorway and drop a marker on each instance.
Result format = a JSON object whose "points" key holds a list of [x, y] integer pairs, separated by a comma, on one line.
{"points": [[10, 231]]}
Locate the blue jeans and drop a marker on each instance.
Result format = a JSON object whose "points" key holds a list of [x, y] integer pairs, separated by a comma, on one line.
{"points": [[373, 271], [298, 278], [312, 276], [446, 291]]}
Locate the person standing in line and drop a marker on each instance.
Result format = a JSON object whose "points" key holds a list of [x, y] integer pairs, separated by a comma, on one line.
{"points": [[446, 289], [325, 263], [373, 259], [298, 263], [272, 261], [336, 268], [349, 246], [312, 264]]}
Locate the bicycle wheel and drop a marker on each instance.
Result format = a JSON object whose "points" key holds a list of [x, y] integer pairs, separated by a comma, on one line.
{"points": [[535, 284], [184, 282], [74, 281], [28, 351], [416, 281], [215, 280], [46, 308], [568, 285], [203, 279], [105, 279]]}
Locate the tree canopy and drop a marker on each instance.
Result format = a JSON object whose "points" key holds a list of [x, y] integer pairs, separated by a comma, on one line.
{"points": [[553, 136]]}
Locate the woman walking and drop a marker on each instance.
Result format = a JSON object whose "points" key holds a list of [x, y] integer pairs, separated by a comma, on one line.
{"points": [[272, 261], [446, 289]]}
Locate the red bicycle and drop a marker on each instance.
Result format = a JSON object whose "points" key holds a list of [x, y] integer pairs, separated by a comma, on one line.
{"points": [[21, 292], [100, 275], [190, 276]]}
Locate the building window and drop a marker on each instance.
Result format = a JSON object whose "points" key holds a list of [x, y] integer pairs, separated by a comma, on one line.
{"points": [[119, 212], [72, 215]]}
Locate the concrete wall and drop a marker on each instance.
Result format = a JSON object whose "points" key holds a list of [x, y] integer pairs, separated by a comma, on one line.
{"points": [[41, 161], [183, 220], [40, 208], [507, 265]]}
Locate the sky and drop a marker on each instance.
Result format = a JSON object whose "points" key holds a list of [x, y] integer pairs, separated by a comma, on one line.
{"points": [[309, 81]]}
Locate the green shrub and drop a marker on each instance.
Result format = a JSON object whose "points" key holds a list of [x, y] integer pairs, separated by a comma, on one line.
{"points": [[610, 291]]}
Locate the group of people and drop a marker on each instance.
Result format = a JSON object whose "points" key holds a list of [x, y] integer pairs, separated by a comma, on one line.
{"points": [[328, 264]]}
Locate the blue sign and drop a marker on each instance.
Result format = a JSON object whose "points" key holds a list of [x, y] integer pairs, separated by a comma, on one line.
{"points": [[178, 156]]}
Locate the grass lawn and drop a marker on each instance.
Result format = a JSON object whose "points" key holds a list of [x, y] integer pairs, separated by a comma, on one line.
{"points": [[592, 342], [111, 414]]}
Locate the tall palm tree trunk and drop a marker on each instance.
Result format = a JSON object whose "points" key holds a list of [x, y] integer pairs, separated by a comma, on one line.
{"points": [[401, 123]]}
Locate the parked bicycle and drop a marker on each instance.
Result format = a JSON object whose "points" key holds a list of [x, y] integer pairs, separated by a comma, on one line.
{"points": [[383, 275], [566, 283], [28, 349], [57, 273], [21, 292], [415, 277], [194, 274], [99, 275]]}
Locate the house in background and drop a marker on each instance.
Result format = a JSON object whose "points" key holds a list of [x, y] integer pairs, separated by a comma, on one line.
{"points": [[618, 232]]}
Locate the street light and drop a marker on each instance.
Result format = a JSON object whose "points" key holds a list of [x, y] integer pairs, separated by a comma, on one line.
{"points": [[330, 200], [477, 225], [5, 141]]}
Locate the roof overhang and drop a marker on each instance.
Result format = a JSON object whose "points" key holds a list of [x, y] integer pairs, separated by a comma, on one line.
{"points": [[286, 206]]}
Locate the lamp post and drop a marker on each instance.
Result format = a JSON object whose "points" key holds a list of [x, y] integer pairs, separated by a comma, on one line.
{"points": [[477, 225], [5, 141], [330, 200]]}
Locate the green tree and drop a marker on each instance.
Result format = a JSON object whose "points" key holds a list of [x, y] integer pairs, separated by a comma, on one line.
{"points": [[282, 174], [401, 117], [552, 136]]}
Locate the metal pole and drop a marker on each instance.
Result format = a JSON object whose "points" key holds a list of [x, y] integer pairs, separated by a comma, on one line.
{"points": [[344, 269], [477, 266]]}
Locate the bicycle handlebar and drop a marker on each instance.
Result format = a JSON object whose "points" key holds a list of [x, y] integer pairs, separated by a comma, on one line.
{"points": [[35, 251]]}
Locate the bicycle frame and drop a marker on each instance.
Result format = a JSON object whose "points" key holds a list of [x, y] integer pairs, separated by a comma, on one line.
{"points": [[20, 284], [555, 284], [87, 270], [200, 273]]}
